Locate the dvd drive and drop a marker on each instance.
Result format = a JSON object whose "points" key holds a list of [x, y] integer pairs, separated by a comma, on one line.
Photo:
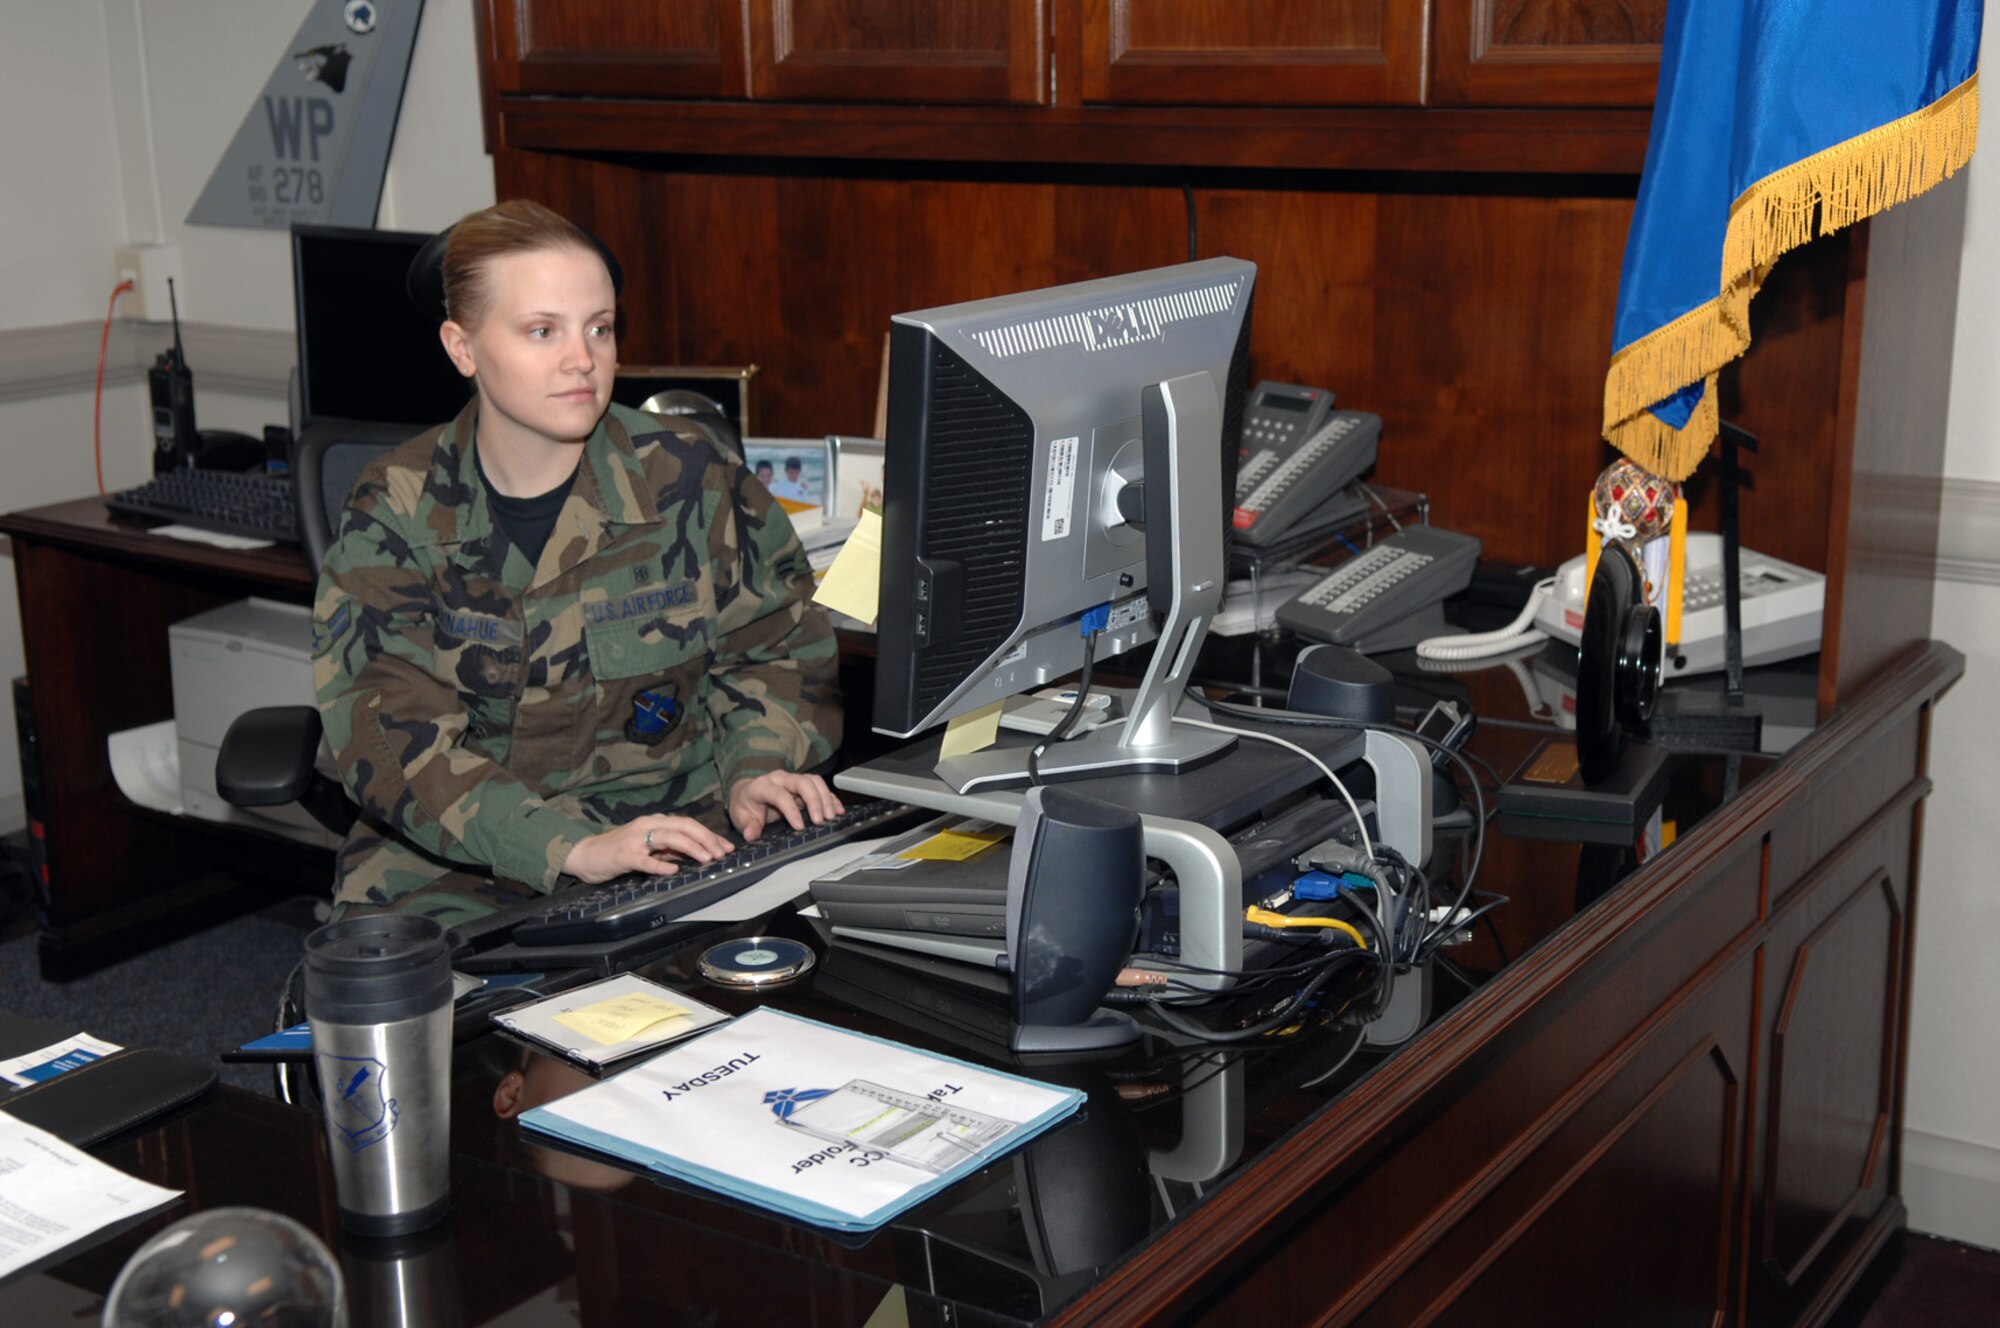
{"points": [[947, 876]]}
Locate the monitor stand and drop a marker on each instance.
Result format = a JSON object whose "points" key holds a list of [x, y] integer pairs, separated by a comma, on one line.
{"points": [[1180, 422]]}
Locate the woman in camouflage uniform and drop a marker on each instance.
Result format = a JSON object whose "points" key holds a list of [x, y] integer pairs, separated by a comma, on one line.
{"points": [[559, 640]]}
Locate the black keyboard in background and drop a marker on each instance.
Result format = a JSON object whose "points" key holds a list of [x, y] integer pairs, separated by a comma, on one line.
{"points": [[234, 502], [610, 917]]}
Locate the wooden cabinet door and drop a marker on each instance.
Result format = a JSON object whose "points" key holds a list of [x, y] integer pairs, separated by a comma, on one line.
{"points": [[616, 48], [1253, 52], [898, 50], [1546, 52]]}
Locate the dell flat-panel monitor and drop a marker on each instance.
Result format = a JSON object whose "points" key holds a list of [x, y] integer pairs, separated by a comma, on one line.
{"points": [[1050, 455], [366, 352]]}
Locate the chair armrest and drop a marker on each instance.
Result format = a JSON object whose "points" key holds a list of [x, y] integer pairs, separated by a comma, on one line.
{"points": [[266, 758]]}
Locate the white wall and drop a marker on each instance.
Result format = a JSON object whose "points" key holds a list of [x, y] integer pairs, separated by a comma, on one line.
{"points": [[1951, 1162], [62, 210], [117, 111]]}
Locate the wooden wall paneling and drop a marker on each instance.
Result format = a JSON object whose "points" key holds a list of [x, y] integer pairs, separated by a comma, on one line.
{"points": [[899, 50], [1784, 390], [1256, 52], [1315, 318], [1493, 319], [1546, 52], [1478, 325], [611, 48], [1888, 558], [1610, 142]]}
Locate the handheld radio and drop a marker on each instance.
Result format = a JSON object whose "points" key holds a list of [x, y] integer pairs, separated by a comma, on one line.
{"points": [[174, 437]]}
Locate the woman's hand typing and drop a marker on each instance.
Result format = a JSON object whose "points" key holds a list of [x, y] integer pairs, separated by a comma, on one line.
{"points": [[780, 794], [639, 846]]}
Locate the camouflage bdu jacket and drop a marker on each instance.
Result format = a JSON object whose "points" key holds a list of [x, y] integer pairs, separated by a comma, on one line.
{"points": [[483, 710]]}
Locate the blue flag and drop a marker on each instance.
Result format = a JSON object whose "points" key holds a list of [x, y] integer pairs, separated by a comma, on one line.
{"points": [[1776, 120]]}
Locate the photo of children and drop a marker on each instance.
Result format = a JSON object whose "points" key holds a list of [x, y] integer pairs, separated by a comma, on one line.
{"points": [[793, 469]]}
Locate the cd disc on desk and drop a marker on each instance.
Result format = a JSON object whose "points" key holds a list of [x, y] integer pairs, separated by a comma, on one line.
{"points": [[755, 961]]}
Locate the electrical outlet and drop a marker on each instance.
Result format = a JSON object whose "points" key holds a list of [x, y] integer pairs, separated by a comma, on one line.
{"points": [[148, 267]]}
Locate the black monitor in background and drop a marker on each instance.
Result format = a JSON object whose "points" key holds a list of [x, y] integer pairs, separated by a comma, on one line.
{"points": [[1053, 458], [366, 353]]}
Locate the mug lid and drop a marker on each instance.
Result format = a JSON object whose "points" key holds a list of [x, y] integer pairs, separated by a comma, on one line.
{"points": [[375, 944]]}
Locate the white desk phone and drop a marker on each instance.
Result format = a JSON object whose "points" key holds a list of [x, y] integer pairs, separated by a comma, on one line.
{"points": [[1782, 608]]}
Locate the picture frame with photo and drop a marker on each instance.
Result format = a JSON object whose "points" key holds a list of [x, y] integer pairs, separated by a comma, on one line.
{"points": [[855, 466], [795, 470]]}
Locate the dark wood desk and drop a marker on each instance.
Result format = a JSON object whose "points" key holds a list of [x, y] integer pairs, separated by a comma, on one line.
{"points": [[97, 596], [1666, 1091]]}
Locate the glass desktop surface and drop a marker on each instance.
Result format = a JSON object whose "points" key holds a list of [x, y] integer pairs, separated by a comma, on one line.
{"points": [[540, 1233], [1167, 1124]]}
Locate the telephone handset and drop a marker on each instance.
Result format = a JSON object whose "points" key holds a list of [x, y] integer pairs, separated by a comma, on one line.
{"points": [[1285, 481], [1782, 608], [1389, 596]]}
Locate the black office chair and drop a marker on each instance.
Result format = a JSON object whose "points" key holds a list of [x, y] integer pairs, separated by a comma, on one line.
{"points": [[267, 756]]}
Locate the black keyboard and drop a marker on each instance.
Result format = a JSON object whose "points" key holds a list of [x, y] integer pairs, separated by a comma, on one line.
{"points": [[234, 502], [612, 913]]}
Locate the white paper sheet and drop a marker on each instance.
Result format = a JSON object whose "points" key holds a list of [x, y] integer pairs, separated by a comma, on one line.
{"points": [[146, 763], [52, 1194], [70, 1053], [220, 539]]}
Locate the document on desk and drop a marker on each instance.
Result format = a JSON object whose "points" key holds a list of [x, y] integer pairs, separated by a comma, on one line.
{"points": [[813, 1121], [52, 1194]]}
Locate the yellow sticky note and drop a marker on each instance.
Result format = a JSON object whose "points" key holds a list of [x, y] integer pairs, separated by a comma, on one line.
{"points": [[853, 585], [960, 845], [621, 1018], [972, 733]]}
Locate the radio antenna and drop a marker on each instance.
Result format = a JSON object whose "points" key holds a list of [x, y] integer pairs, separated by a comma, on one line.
{"points": [[174, 304]]}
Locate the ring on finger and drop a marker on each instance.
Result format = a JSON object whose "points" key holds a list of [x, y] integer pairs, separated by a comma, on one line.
{"points": [[649, 841]]}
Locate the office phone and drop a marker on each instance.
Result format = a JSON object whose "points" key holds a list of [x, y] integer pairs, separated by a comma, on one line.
{"points": [[1287, 476], [1389, 596], [1782, 608], [1283, 412]]}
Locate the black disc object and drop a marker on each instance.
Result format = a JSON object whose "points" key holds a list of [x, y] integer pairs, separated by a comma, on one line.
{"points": [[755, 961], [1618, 661]]}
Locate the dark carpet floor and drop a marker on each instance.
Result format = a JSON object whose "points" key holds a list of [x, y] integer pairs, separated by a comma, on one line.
{"points": [[199, 996], [1925, 1282]]}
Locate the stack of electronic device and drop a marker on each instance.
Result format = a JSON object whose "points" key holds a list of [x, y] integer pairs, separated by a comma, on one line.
{"points": [[1348, 566], [940, 889]]}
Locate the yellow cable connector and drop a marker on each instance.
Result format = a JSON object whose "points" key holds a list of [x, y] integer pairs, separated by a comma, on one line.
{"points": [[1264, 917]]}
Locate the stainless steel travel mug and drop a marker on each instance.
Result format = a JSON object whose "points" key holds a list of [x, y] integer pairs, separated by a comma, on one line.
{"points": [[378, 997]]}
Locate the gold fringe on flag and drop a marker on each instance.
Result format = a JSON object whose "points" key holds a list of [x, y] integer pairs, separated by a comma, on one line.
{"points": [[1819, 195]]}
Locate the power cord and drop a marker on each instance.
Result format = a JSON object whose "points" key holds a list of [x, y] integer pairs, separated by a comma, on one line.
{"points": [[1274, 715], [97, 400], [1092, 626], [1360, 824]]}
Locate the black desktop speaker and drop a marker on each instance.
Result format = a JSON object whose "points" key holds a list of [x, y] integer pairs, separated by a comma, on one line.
{"points": [[1073, 890], [1342, 683]]}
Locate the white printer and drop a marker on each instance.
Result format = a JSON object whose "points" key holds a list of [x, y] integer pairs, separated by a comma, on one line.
{"points": [[239, 657]]}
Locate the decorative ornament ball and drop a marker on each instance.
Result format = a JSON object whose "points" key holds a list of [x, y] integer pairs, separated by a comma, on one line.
{"points": [[1630, 502], [229, 1268]]}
